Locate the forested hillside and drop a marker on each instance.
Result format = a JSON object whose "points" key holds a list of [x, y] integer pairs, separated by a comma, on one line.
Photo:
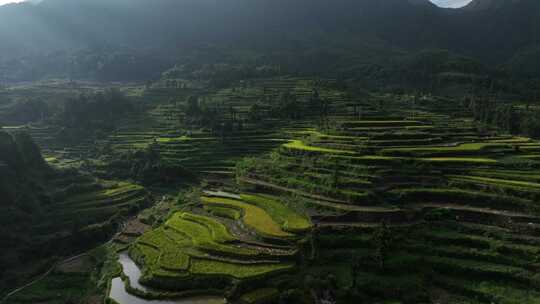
{"points": [[63, 211], [135, 39]]}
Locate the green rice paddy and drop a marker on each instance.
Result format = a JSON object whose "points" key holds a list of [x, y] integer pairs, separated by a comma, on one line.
{"points": [[308, 202]]}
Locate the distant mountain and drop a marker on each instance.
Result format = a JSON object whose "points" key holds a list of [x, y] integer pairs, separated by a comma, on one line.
{"points": [[480, 5], [61, 36]]}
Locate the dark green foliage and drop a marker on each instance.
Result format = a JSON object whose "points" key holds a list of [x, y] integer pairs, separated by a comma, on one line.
{"points": [[19, 158], [255, 113], [29, 151], [74, 286], [507, 117], [439, 215], [530, 124], [286, 106], [9, 153], [25, 111], [427, 66], [147, 166], [526, 64], [47, 212], [94, 112], [366, 40], [383, 239], [193, 107]]}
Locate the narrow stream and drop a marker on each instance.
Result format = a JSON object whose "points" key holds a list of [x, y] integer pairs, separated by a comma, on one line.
{"points": [[132, 271]]}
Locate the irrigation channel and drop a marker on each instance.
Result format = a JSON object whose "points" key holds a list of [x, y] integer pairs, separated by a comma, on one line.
{"points": [[131, 270]]}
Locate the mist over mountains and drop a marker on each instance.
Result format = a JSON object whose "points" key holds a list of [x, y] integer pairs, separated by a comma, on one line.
{"points": [[53, 34]]}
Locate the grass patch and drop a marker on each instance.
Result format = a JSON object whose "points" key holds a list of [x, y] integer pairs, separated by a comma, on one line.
{"points": [[288, 218], [499, 182], [57, 288], [298, 145], [259, 296], [205, 238], [468, 148], [225, 212], [238, 271], [463, 160], [513, 140], [253, 216], [219, 231]]}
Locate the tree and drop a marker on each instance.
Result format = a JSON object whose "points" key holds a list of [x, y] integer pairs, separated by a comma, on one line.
{"points": [[324, 111], [30, 110], [531, 125], [355, 269], [233, 114], [193, 106], [336, 174], [315, 99], [287, 106], [255, 113], [383, 241]]}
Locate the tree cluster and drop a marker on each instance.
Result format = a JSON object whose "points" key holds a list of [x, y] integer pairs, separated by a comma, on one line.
{"points": [[25, 111], [507, 117], [219, 119], [93, 113]]}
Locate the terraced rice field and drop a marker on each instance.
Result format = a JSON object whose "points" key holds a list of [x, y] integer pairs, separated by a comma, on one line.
{"points": [[385, 199], [193, 249], [466, 198], [162, 124], [460, 205], [88, 206]]}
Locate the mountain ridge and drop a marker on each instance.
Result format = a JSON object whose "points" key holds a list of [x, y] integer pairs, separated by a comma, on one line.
{"points": [[482, 5], [169, 28]]}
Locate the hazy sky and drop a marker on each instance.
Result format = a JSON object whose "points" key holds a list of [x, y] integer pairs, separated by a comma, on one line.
{"points": [[451, 3], [2, 2], [444, 3]]}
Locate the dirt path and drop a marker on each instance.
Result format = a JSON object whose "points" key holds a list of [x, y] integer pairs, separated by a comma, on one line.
{"points": [[477, 209], [41, 277], [4, 300], [53, 267], [364, 225]]}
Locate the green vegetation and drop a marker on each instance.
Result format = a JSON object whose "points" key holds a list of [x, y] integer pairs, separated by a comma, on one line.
{"points": [[300, 146], [470, 148], [253, 216], [64, 211], [224, 212], [271, 152], [289, 219], [259, 296], [83, 279], [301, 187], [416, 176], [74, 287], [195, 248], [206, 267], [464, 160], [218, 230], [205, 234], [501, 182]]}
